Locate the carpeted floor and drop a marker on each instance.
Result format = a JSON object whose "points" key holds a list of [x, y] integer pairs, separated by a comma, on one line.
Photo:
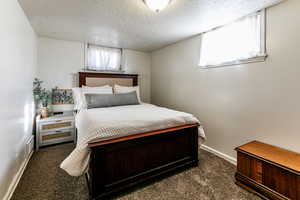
{"points": [[212, 180]]}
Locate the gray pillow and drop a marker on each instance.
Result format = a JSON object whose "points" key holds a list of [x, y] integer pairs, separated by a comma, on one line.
{"points": [[109, 100]]}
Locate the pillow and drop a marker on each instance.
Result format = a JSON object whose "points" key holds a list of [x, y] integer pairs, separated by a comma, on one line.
{"points": [[109, 100], [95, 90], [97, 87], [79, 98], [118, 89]]}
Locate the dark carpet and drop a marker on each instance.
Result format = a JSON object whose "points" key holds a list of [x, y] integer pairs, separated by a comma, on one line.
{"points": [[212, 180]]}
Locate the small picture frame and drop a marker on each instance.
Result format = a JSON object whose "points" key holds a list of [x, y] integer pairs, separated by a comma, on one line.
{"points": [[62, 96]]}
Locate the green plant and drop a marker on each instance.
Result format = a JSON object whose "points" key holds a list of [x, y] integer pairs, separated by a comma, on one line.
{"points": [[41, 94]]}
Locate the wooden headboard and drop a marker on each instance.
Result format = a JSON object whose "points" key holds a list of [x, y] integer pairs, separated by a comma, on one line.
{"points": [[100, 79]]}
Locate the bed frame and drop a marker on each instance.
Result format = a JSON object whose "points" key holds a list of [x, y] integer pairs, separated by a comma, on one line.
{"points": [[118, 164]]}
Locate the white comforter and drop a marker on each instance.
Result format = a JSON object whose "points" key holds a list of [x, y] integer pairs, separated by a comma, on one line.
{"points": [[113, 122]]}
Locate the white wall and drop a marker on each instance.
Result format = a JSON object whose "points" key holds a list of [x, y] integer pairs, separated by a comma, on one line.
{"points": [[135, 62], [237, 104], [18, 67], [60, 60]]}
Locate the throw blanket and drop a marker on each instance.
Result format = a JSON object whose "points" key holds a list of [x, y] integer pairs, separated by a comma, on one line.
{"points": [[107, 123]]}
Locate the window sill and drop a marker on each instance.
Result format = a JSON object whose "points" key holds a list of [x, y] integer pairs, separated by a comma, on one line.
{"points": [[238, 62], [103, 71]]}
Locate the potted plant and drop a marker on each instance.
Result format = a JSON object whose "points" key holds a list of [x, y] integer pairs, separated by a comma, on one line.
{"points": [[42, 96]]}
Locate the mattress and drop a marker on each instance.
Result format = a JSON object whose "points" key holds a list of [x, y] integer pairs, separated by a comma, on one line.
{"points": [[100, 124]]}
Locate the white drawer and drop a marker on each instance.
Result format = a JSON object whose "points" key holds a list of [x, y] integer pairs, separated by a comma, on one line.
{"points": [[55, 137], [56, 125]]}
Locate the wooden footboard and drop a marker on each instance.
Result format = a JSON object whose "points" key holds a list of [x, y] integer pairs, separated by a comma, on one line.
{"points": [[124, 162]]}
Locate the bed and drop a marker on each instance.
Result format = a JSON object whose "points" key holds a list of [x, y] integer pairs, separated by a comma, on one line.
{"points": [[117, 163]]}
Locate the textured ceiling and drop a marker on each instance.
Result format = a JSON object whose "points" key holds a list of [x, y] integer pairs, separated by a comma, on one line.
{"points": [[129, 23]]}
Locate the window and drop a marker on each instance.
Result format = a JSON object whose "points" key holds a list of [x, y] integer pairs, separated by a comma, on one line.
{"points": [[103, 58], [242, 41]]}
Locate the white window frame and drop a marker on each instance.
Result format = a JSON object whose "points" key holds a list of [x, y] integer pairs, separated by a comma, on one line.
{"points": [[86, 67], [261, 58]]}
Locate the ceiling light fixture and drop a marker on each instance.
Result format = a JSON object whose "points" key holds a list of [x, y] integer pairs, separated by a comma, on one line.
{"points": [[157, 5]]}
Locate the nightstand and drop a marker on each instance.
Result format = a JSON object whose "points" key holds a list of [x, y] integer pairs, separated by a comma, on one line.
{"points": [[55, 129]]}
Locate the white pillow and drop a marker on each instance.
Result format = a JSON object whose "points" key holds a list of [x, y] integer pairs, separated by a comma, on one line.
{"points": [[77, 97], [96, 87], [119, 89], [79, 94]]}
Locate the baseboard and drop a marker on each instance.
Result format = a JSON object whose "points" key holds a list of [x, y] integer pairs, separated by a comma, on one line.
{"points": [[17, 178], [219, 154]]}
